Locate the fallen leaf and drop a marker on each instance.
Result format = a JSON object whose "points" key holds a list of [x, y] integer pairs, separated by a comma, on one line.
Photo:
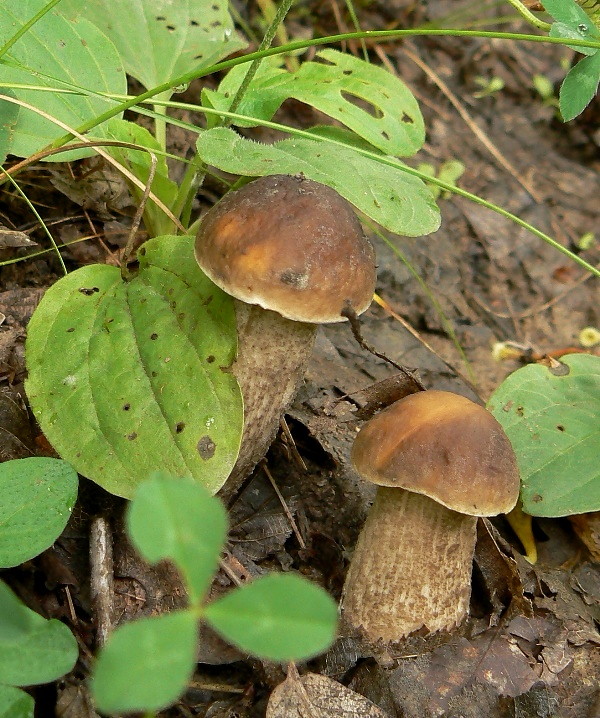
{"points": [[314, 696]]}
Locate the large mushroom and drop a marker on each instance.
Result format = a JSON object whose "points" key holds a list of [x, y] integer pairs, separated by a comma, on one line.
{"points": [[293, 254], [439, 461]]}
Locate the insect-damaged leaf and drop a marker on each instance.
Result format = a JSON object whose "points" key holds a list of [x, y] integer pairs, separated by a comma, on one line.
{"points": [[126, 378]]}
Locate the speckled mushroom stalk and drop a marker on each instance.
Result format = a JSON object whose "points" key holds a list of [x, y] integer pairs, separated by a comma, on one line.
{"points": [[292, 253], [439, 461]]}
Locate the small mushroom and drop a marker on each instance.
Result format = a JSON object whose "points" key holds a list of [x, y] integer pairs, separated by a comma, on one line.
{"points": [[439, 461], [293, 253]]}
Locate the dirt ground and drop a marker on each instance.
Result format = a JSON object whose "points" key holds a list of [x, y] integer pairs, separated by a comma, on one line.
{"points": [[531, 646]]}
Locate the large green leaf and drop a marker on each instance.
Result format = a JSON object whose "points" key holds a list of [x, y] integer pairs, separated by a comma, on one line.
{"points": [[37, 496], [552, 418], [126, 378], [396, 200], [161, 39], [75, 52], [280, 617], [32, 649], [177, 519], [146, 664], [579, 87], [389, 117]]}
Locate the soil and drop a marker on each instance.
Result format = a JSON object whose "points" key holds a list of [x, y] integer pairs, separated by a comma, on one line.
{"points": [[530, 646]]}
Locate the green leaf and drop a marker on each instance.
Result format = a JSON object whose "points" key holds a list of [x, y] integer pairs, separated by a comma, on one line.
{"points": [[9, 113], [161, 39], [38, 495], [15, 703], [178, 519], [553, 421], [146, 664], [278, 617], [387, 114], [127, 378], [396, 200], [579, 87], [139, 162], [567, 12], [75, 52], [32, 649], [559, 29]]}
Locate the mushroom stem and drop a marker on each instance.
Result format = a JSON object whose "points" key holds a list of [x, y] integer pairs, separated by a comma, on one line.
{"points": [[272, 356], [411, 568]]}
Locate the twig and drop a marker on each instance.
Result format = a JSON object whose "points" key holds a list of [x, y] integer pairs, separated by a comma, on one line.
{"points": [[101, 577], [286, 509]]}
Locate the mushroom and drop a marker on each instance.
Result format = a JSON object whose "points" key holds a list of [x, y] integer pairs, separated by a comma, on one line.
{"points": [[439, 461], [293, 254]]}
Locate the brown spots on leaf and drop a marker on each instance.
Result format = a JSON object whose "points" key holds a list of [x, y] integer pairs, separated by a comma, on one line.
{"points": [[88, 291], [126, 407], [407, 118], [154, 336], [132, 436], [210, 358], [206, 448], [179, 427], [70, 329]]}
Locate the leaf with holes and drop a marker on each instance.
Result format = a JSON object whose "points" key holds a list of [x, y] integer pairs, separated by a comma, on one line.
{"points": [[396, 200], [37, 497], [367, 99], [552, 417], [126, 378], [161, 39], [51, 51]]}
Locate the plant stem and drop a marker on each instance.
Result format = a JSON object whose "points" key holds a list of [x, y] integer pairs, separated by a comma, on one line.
{"points": [[265, 44], [529, 16], [302, 44]]}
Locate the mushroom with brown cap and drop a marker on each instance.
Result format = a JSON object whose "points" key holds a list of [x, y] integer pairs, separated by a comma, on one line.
{"points": [[439, 461], [293, 253]]}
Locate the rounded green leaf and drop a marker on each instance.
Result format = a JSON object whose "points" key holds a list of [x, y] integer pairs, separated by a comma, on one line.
{"points": [[552, 418], [180, 520], [32, 649], [278, 617], [37, 497], [73, 52], [146, 664], [127, 378], [15, 703]]}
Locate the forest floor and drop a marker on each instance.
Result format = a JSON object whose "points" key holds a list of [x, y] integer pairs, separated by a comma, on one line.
{"points": [[530, 647]]}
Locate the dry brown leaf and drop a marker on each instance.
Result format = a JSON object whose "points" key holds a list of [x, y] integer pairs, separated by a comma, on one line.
{"points": [[314, 696]]}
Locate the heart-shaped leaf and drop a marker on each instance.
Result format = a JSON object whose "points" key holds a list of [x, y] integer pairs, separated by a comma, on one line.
{"points": [[277, 617], [177, 519], [127, 378], [396, 200], [552, 417], [161, 39], [75, 52], [37, 497]]}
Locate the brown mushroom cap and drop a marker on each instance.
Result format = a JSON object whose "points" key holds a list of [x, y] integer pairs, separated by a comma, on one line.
{"points": [[290, 245], [443, 446]]}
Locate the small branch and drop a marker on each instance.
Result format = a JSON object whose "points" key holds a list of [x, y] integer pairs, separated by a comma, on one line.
{"points": [[101, 577], [350, 315]]}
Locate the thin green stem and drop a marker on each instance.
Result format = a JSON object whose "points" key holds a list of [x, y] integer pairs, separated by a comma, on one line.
{"points": [[265, 44], [302, 44], [37, 216], [529, 16], [355, 22], [22, 30]]}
